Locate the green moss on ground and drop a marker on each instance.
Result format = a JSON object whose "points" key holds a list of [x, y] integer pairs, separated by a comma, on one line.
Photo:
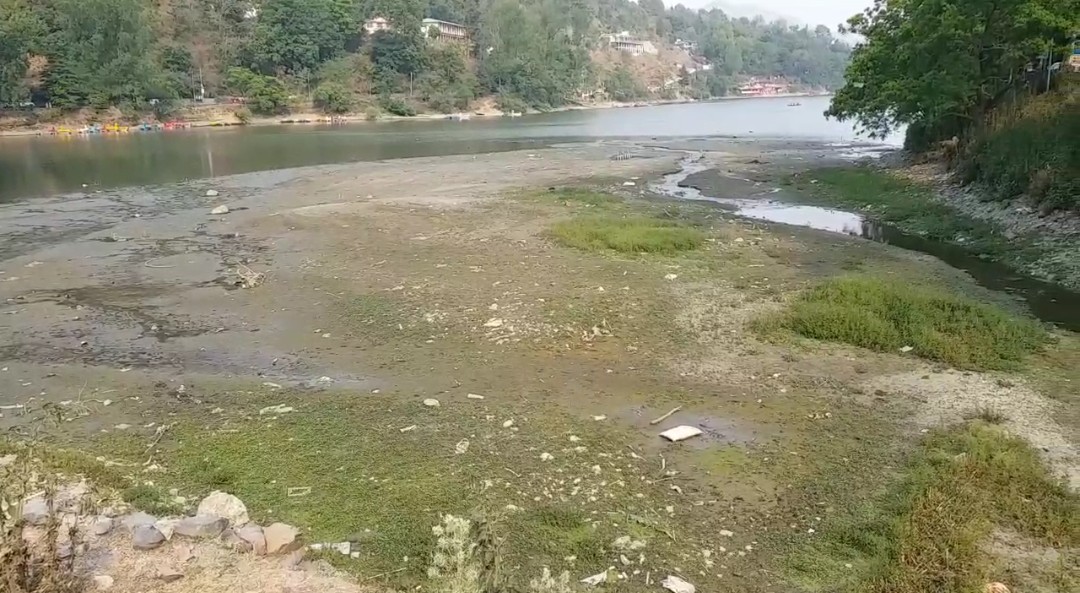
{"points": [[636, 234]]}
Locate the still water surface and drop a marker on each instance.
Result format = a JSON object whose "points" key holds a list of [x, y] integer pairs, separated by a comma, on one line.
{"points": [[39, 166]]}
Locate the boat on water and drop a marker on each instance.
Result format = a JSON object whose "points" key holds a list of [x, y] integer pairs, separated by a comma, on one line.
{"points": [[796, 104], [513, 114]]}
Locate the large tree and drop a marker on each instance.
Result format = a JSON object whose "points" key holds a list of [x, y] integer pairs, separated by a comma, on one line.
{"points": [[943, 63], [19, 27], [295, 36]]}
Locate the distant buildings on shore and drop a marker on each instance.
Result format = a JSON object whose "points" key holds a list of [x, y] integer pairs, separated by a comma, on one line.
{"points": [[431, 29], [636, 47]]}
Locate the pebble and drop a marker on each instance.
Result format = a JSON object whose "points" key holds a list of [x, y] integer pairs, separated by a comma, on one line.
{"points": [[431, 403]]}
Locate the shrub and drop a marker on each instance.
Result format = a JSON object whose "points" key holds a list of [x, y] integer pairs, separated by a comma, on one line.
{"points": [[334, 98], [888, 316], [628, 235], [510, 104], [395, 106], [243, 115], [621, 85], [268, 96], [371, 113]]}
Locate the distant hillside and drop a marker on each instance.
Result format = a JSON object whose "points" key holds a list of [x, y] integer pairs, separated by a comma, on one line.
{"points": [[738, 11]]}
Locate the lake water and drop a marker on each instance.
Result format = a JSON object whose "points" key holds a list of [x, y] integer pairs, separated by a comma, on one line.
{"points": [[38, 166]]}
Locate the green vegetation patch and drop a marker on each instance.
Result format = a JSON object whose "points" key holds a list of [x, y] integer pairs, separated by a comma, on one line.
{"points": [[929, 534], [905, 204], [888, 316], [627, 234], [582, 196]]}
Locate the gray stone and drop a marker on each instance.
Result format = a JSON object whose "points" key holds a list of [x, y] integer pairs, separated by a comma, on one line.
{"points": [[211, 193], [223, 209], [226, 506], [103, 582], [146, 537], [253, 534], [230, 538], [201, 526], [36, 511], [282, 539], [130, 522], [102, 526], [169, 574]]}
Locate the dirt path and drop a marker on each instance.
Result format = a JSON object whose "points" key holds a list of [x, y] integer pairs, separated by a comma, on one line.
{"points": [[387, 284]]}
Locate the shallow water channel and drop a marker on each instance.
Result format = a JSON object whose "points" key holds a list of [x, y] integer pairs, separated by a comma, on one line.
{"points": [[1047, 301]]}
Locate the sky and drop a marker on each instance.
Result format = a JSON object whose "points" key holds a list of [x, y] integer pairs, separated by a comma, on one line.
{"points": [[813, 12]]}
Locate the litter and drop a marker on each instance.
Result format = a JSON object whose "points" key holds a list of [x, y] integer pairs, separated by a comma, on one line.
{"points": [[296, 491], [680, 433]]}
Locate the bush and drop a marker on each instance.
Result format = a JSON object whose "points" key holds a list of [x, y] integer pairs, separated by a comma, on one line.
{"points": [[334, 98], [628, 235], [243, 115], [268, 96], [888, 316], [510, 104], [395, 106], [371, 113], [622, 86]]}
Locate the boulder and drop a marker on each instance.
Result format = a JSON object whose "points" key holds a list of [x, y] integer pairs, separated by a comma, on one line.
{"points": [[146, 537], [130, 522], [282, 539], [201, 526], [102, 526], [167, 527], [253, 534], [234, 542], [222, 209], [226, 506], [36, 511]]}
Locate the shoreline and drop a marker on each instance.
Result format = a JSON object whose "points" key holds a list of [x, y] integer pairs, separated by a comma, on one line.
{"points": [[315, 118]]}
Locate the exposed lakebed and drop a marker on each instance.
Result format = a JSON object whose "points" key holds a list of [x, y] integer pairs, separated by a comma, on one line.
{"points": [[698, 180]]}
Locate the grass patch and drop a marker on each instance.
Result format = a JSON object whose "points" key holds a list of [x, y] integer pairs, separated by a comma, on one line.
{"points": [[888, 316], [905, 204], [627, 235], [582, 197], [928, 534]]}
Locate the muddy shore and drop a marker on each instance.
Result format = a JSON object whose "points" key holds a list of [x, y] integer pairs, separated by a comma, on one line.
{"points": [[383, 285]]}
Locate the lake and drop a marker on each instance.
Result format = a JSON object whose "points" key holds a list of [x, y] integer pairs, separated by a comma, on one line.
{"points": [[44, 165]]}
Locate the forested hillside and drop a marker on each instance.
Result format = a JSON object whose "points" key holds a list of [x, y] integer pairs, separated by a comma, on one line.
{"points": [[988, 82], [152, 54]]}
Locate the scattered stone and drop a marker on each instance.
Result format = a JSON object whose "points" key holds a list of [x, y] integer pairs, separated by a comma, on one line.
{"points": [[201, 526], [462, 447], [629, 184], [431, 402], [167, 574], [508, 423], [230, 538], [167, 527], [671, 276], [146, 537], [595, 579], [282, 539], [226, 506], [680, 433], [102, 526], [599, 418], [494, 322], [726, 533], [343, 548], [677, 585], [211, 193], [906, 349], [130, 522], [474, 396], [222, 209], [103, 582], [253, 534], [278, 409], [36, 511], [546, 456]]}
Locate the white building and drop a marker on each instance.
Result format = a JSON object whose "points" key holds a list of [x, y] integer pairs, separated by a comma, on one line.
{"points": [[374, 25], [436, 29], [625, 43]]}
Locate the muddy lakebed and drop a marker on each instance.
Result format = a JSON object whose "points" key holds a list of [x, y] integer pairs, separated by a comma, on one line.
{"points": [[352, 294]]}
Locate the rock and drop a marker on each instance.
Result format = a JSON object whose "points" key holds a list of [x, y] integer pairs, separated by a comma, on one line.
{"points": [[102, 526], [130, 522], [595, 579], [462, 447], [253, 534], [546, 456], [231, 539], [167, 527], [681, 433], [474, 396], [169, 574], [222, 209], [431, 402], [201, 526], [677, 585], [102, 582], [906, 349], [343, 548], [494, 322], [36, 511], [671, 276], [211, 193], [146, 537], [726, 533], [282, 539], [226, 506]]}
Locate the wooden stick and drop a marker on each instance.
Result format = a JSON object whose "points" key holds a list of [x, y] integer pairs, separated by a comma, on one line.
{"points": [[665, 416]]}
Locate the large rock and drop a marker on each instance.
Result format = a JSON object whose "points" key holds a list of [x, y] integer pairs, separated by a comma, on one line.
{"points": [[222, 209], [234, 542], [130, 522], [102, 526], [146, 537], [282, 539], [253, 534], [201, 526], [226, 506], [167, 526], [36, 511]]}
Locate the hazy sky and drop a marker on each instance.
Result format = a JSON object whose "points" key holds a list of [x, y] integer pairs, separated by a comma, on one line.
{"points": [[815, 12]]}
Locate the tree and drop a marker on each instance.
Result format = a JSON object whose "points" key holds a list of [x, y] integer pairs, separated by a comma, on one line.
{"points": [[393, 56], [941, 64], [298, 35], [19, 26]]}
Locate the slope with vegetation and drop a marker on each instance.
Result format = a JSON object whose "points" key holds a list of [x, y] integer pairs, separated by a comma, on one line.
{"points": [[140, 55], [979, 80]]}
